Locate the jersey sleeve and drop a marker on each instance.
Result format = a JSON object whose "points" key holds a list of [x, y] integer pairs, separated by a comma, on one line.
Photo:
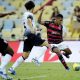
{"points": [[46, 23]]}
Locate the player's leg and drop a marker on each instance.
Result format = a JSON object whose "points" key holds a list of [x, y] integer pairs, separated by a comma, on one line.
{"points": [[20, 59], [18, 62], [26, 49], [8, 53], [4, 70], [37, 41], [45, 43], [57, 51], [6, 57]]}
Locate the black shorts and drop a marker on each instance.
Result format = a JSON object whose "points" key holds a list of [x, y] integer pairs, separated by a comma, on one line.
{"points": [[33, 40], [3, 46]]}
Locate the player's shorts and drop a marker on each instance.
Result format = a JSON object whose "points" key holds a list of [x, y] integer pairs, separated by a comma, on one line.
{"points": [[3, 46], [32, 40], [61, 45]]}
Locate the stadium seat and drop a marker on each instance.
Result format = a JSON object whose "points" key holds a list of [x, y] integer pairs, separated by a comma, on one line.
{"points": [[18, 23], [6, 34], [75, 36], [17, 3], [8, 24], [76, 3], [37, 2], [47, 13], [65, 13], [13, 17], [10, 8], [1, 8], [7, 6], [18, 33]]}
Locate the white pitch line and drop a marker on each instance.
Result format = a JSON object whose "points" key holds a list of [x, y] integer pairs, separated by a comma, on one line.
{"points": [[33, 77]]}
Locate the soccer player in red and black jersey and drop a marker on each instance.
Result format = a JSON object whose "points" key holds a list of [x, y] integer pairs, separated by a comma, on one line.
{"points": [[55, 37]]}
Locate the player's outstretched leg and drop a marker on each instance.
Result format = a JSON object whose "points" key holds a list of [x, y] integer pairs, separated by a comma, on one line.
{"points": [[58, 52]]}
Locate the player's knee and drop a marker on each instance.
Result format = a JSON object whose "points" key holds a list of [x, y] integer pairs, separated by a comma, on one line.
{"points": [[55, 49], [23, 58], [25, 55], [11, 52]]}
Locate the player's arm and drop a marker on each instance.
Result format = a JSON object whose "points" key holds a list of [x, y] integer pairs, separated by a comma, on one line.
{"points": [[5, 14], [30, 23], [39, 19], [45, 23]]}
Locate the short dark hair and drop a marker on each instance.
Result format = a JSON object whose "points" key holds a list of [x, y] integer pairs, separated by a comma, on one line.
{"points": [[29, 5], [59, 15]]}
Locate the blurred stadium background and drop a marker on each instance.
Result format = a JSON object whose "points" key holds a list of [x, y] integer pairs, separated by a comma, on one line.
{"points": [[11, 29]]}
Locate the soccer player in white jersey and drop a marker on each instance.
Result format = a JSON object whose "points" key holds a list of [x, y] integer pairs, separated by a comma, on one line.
{"points": [[30, 37]]}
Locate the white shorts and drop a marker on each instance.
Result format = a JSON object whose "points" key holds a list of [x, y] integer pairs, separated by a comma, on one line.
{"points": [[61, 45]]}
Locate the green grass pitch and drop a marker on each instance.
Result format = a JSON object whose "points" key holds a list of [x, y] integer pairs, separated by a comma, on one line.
{"points": [[46, 71]]}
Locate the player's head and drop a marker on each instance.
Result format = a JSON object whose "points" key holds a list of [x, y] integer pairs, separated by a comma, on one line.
{"points": [[29, 5], [58, 19]]}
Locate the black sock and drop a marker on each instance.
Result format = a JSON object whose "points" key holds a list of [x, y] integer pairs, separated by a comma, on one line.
{"points": [[62, 61]]}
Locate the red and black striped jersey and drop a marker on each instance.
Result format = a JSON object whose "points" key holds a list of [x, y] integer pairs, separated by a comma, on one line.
{"points": [[54, 32]]}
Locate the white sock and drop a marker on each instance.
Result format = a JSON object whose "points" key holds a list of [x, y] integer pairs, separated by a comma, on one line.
{"points": [[4, 70], [18, 62], [4, 61], [42, 51]]}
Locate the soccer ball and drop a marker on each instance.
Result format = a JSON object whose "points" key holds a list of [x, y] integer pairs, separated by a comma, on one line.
{"points": [[76, 67]]}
